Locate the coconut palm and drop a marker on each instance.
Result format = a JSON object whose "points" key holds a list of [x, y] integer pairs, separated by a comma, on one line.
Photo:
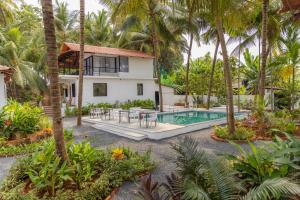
{"points": [[81, 59], [65, 22], [262, 73], [14, 51], [97, 28], [7, 11], [50, 40], [211, 35], [187, 17]]}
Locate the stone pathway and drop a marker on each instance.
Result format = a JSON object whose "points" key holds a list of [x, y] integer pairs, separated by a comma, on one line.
{"points": [[161, 152]]}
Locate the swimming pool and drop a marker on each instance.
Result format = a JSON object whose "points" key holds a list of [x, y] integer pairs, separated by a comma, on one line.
{"points": [[190, 117]]}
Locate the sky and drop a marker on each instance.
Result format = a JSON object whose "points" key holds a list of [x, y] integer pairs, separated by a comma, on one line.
{"points": [[94, 6]]}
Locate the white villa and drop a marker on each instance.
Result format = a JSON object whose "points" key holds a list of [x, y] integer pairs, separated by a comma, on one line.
{"points": [[5, 74], [110, 74]]}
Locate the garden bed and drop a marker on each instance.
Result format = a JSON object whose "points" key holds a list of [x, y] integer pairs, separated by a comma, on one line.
{"points": [[89, 174], [21, 146], [22, 128]]}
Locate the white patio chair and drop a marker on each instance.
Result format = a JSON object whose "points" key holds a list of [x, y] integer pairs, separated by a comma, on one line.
{"points": [[95, 113], [149, 119], [115, 113], [134, 114]]}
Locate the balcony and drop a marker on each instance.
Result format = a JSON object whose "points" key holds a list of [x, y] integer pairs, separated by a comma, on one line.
{"points": [[94, 65]]}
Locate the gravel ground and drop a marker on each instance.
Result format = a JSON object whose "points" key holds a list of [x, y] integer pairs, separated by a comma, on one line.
{"points": [[161, 152]]}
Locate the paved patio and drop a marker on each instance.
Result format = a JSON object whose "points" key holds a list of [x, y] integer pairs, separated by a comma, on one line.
{"points": [[161, 151]]}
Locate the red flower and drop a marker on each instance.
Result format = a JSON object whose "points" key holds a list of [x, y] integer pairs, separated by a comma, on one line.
{"points": [[7, 122]]}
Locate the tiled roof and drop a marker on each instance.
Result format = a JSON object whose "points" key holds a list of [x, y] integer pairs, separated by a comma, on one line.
{"points": [[289, 5], [104, 50]]}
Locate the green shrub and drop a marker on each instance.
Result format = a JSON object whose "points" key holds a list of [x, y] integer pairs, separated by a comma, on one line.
{"points": [[20, 118], [282, 121], [259, 164], [13, 150], [45, 122], [146, 104], [241, 133]]}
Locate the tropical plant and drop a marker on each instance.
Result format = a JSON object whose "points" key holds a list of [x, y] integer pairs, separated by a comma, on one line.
{"points": [[290, 46], [20, 118], [200, 175]]}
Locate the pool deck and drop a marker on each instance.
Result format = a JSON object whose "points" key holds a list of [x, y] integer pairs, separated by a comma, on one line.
{"points": [[161, 131]]}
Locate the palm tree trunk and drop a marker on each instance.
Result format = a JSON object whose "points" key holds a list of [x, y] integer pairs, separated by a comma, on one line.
{"points": [[227, 74], [239, 77], [81, 58], [293, 89], [271, 84], [262, 74], [188, 70], [155, 52], [50, 40], [211, 78]]}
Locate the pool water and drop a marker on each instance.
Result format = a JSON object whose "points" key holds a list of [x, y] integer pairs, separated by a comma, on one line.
{"points": [[189, 117]]}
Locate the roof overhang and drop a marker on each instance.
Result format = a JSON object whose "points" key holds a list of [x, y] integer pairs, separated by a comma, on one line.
{"points": [[67, 48], [7, 71]]}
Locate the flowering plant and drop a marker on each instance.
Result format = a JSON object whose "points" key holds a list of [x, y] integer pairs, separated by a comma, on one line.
{"points": [[118, 154]]}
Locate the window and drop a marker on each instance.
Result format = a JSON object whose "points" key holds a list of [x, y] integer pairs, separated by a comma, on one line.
{"points": [[100, 89], [124, 64], [140, 89]]}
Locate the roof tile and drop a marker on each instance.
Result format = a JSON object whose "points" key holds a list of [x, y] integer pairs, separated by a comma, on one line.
{"points": [[104, 50]]}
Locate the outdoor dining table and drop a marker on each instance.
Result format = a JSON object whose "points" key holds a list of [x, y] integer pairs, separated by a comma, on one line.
{"points": [[146, 114], [128, 115]]}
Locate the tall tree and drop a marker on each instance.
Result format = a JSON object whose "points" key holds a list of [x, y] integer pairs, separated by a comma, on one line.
{"points": [[191, 24], [262, 73], [81, 59], [50, 40], [65, 22], [97, 29]]}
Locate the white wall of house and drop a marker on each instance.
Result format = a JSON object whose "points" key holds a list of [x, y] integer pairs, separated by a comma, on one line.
{"points": [[117, 90], [139, 68], [3, 97]]}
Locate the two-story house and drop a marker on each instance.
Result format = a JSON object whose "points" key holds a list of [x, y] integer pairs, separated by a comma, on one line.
{"points": [[110, 74]]}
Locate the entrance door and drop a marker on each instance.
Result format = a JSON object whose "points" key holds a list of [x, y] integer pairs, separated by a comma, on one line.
{"points": [[156, 99]]}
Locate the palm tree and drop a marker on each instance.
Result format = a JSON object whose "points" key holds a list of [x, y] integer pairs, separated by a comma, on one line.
{"points": [[97, 29], [147, 11], [211, 34], [14, 52], [290, 46], [50, 40], [7, 11], [65, 22], [191, 25], [262, 74], [81, 59]]}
